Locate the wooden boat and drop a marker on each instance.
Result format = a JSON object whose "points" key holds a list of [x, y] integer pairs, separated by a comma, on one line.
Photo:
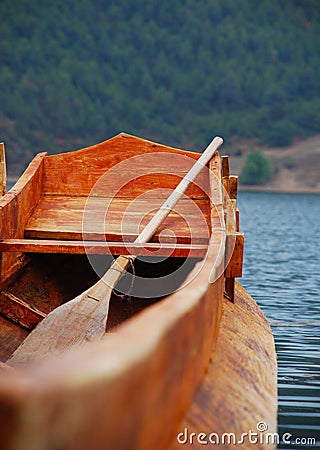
{"points": [[189, 350]]}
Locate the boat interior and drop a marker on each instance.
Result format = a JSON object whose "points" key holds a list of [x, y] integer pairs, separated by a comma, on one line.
{"points": [[70, 214]]}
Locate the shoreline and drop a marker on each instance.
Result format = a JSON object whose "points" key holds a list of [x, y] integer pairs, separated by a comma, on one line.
{"points": [[276, 190]]}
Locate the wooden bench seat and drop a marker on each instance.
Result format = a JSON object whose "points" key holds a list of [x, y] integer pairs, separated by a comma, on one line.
{"points": [[50, 202], [102, 248], [119, 219], [100, 225]]}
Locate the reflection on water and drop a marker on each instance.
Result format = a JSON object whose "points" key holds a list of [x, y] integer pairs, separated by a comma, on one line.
{"points": [[281, 271]]}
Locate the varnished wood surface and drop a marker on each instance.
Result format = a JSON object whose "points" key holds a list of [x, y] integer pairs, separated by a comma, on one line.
{"points": [[11, 336], [84, 319], [240, 387], [19, 311], [111, 394], [65, 217], [3, 170], [237, 392], [131, 390], [15, 209], [234, 255], [102, 248], [161, 167]]}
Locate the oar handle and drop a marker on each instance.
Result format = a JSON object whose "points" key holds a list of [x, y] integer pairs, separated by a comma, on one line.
{"points": [[171, 201]]}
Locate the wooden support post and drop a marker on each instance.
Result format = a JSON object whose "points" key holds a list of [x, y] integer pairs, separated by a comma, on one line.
{"points": [[225, 182], [232, 204], [234, 255], [3, 171], [225, 166], [103, 248], [237, 220], [232, 228]]}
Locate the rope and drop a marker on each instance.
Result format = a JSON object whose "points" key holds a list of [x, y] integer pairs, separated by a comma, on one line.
{"points": [[127, 296]]}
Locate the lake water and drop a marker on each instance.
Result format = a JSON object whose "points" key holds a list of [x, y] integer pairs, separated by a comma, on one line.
{"points": [[281, 272]]}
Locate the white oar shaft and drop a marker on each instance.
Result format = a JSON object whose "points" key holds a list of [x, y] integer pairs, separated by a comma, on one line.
{"points": [[122, 262], [171, 201]]}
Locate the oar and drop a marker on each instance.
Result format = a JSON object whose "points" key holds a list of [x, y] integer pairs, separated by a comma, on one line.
{"points": [[84, 318]]}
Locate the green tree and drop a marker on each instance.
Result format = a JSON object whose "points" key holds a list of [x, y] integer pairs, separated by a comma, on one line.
{"points": [[257, 169], [73, 73]]}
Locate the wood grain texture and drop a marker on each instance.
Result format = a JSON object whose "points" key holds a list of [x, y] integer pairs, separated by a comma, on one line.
{"points": [[93, 162], [240, 387], [103, 248], [11, 336], [142, 378], [15, 209], [122, 199], [131, 390], [19, 311], [233, 187], [235, 241], [73, 324], [64, 217], [3, 170], [84, 318], [134, 376]]}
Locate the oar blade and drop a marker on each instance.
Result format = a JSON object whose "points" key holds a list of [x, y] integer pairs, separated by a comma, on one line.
{"points": [[72, 324]]}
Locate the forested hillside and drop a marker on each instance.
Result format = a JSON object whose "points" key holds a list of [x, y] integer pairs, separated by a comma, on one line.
{"points": [[77, 72]]}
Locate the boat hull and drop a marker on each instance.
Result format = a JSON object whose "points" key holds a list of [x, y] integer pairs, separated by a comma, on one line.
{"points": [[133, 388], [128, 391]]}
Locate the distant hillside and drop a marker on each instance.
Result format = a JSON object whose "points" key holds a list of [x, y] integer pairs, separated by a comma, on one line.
{"points": [[296, 168], [74, 73]]}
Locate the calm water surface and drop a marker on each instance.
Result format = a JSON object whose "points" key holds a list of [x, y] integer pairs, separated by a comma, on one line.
{"points": [[281, 271]]}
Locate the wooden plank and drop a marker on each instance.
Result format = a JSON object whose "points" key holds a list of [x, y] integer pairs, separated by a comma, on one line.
{"points": [[233, 187], [234, 255], [102, 248], [100, 218], [3, 172], [120, 376], [225, 171], [237, 220], [119, 160], [15, 209], [19, 311]]}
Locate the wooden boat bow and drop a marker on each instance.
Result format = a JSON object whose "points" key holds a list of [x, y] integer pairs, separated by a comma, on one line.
{"points": [[131, 389]]}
